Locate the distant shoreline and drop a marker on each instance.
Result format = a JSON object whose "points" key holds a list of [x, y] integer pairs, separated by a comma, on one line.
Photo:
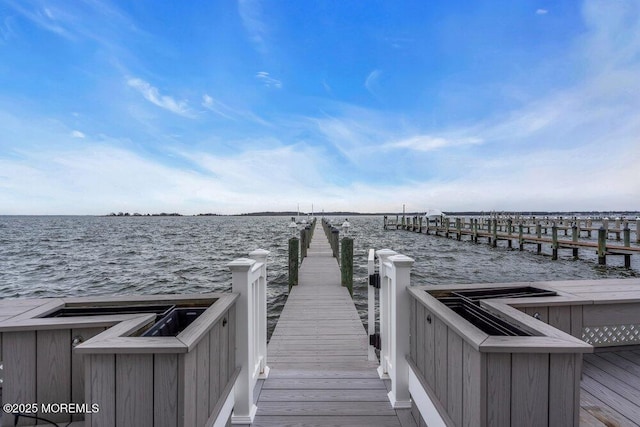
{"points": [[625, 213], [619, 213]]}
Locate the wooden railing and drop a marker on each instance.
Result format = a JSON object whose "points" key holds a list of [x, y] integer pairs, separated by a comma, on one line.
{"points": [[394, 324], [250, 281], [193, 376], [455, 374]]}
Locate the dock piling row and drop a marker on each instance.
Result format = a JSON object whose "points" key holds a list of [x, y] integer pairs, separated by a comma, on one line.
{"points": [[531, 231]]}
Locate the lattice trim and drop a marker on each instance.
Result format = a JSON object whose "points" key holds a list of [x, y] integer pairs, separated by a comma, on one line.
{"points": [[602, 336]]}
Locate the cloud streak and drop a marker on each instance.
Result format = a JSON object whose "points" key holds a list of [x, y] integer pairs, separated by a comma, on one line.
{"points": [[371, 82], [431, 143], [152, 94], [250, 12], [267, 80]]}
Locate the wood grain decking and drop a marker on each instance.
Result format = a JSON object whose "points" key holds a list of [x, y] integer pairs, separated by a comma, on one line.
{"points": [[318, 354], [610, 389]]}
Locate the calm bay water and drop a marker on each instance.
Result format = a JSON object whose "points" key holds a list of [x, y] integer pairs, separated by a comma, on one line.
{"points": [[50, 256]]}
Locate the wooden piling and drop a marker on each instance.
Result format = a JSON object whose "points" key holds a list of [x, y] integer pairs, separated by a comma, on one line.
{"points": [[346, 264], [303, 243], [494, 230], [574, 238], [509, 229], [602, 246], [539, 235], [335, 238], [520, 237], [637, 230], [293, 261], [475, 230], [627, 242], [554, 241]]}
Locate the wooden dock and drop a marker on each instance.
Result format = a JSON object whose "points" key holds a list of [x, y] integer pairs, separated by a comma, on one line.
{"points": [[575, 360], [521, 233], [318, 354]]}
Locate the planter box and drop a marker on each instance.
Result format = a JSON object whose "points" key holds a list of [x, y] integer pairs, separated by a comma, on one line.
{"points": [[92, 351], [476, 378]]}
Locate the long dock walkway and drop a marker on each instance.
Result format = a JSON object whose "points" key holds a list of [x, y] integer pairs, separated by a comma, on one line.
{"points": [[318, 354]]}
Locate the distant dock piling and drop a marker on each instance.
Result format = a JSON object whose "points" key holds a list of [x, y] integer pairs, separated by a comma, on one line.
{"points": [[298, 248], [346, 263], [294, 262], [333, 235], [536, 231], [342, 250]]}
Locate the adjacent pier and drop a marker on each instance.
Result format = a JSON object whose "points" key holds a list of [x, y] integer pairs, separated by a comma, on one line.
{"points": [[530, 232], [318, 354]]}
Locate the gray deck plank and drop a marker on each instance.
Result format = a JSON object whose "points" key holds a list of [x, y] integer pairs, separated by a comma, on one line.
{"points": [[330, 395], [324, 408], [318, 354], [326, 421], [324, 383], [601, 412], [610, 387]]}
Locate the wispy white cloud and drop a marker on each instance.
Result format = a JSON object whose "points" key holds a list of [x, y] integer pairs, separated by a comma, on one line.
{"points": [[78, 22], [267, 80], [399, 42], [371, 82], [250, 12], [77, 134], [7, 31], [352, 131], [231, 113], [47, 18], [327, 88], [216, 106], [431, 143], [541, 11], [612, 40], [152, 94]]}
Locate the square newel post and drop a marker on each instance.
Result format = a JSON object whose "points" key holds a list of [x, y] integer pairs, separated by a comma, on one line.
{"points": [[371, 304], [400, 308], [260, 255], [244, 410], [385, 315]]}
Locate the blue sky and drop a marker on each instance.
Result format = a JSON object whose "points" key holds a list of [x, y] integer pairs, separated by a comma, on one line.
{"points": [[232, 107]]}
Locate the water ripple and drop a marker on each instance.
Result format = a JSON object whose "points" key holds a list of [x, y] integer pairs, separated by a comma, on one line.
{"points": [[81, 256]]}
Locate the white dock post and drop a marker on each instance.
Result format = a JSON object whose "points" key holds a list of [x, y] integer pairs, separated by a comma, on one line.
{"points": [[260, 255], [385, 314], [244, 410], [371, 306], [400, 307]]}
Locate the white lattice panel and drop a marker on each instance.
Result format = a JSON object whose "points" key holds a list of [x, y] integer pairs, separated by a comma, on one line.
{"points": [[602, 336]]}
